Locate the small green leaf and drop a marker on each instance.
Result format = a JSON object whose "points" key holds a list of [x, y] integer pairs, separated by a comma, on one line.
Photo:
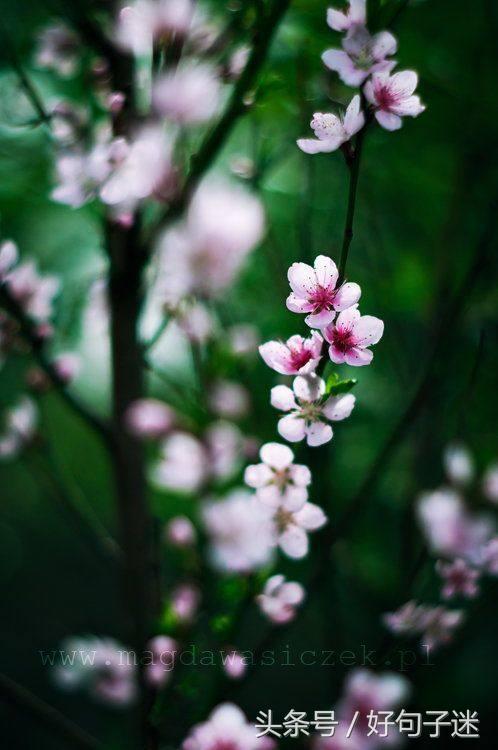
{"points": [[336, 386]]}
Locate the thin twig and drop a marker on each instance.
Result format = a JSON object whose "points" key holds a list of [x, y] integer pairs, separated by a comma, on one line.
{"points": [[215, 140], [24, 79], [29, 332], [21, 698], [354, 172]]}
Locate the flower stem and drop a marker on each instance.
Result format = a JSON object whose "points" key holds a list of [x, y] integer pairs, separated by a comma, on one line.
{"points": [[354, 172]]}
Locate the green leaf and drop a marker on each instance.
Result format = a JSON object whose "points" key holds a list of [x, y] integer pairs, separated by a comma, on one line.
{"points": [[336, 386]]}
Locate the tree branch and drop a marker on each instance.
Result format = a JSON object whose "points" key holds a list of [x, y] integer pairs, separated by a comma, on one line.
{"points": [[29, 332], [18, 697]]}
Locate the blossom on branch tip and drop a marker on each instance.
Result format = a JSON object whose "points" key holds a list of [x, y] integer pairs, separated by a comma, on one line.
{"points": [[458, 578], [297, 356], [351, 334], [67, 365], [33, 291], [229, 399], [185, 600], [355, 15], [309, 413], [234, 665], [315, 291], [392, 97], [58, 49], [362, 55], [290, 528], [280, 599], [277, 480], [332, 130]]}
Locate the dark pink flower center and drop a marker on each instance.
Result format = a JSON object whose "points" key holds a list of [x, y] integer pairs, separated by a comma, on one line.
{"points": [[343, 339], [299, 358], [224, 744], [386, 97], [322, 298]]}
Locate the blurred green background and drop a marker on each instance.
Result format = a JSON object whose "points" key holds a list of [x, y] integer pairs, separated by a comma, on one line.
{"points": [[426, 196]]}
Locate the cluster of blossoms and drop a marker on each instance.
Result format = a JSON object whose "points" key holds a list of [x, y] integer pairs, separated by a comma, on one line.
{"points": [[465, 543], [364, 60]]}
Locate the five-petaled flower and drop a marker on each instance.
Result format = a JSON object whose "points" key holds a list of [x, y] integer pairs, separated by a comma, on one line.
{"points": [[309, 413], [362, 55], [315, 291], [331, 130], [291, 528], [351, 335], [356, 15], [298, 356], [277, 480], [280, 598], [393, 98]]}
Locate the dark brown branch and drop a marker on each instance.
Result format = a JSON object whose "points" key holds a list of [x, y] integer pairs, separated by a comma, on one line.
{"points": [[18, 697]]}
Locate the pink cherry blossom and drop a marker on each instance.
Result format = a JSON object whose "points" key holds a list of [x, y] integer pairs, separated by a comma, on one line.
{"points": [[241, 532], [224, 445], [315, 291], [351, 335], [243, 339], [162, 650], [356, 15], [452, 531], [226, 728], [206, 251], [332, 130], [435, 624], [20, 424], [362, 55], [392, 97], [33, 291], [229, 399], [459, 579], [234, 665], [291, 528], [309, 413], [142, 169], [458, 464], [189, 95], [100, 666], [180, 532], [440, 626], [408, 619], [298, 356], [183, 464], [146, 21], [490, 483], [149, 419], [277, 480], [185, 600], [280, 598]]}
